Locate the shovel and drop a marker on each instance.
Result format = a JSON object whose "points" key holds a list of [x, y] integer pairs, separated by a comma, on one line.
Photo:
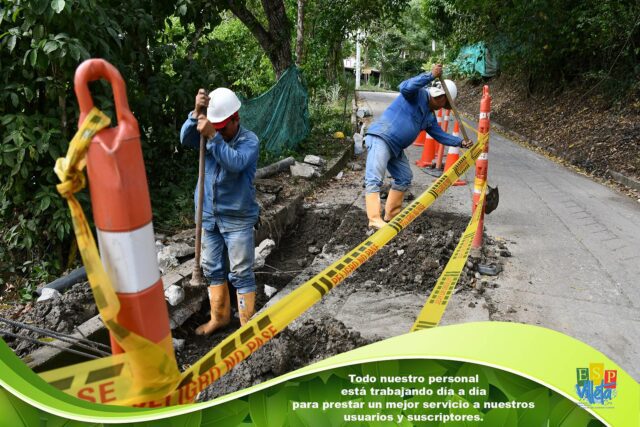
{"points": [[197, 279]]}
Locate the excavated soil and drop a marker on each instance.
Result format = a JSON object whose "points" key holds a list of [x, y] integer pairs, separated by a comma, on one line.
{"points": [[63, 315]]}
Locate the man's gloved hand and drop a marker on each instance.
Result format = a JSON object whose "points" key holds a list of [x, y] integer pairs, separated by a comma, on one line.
{"points": [[205, 127], [202, 101], [466, 143], [436, 71]]}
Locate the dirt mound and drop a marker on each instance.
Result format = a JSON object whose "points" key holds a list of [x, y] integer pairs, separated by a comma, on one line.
{"points": [[575, 125], [62, 314], [314, 340]]}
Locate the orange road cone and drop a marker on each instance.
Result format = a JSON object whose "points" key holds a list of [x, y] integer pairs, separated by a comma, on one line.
{"points": [[454, 154], [420, 139], [428, 152]]}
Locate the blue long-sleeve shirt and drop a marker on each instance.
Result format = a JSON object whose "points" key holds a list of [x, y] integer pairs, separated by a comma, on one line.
{"points": [[407, 115], [230, 169]]}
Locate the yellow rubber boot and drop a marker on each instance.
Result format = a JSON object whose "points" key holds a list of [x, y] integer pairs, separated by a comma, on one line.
{"points": [[246, 306], [373, 210], [220, 302], [393, 205]]}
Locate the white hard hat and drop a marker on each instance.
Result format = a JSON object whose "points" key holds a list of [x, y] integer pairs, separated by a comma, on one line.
{"points": [[223, 103], [435, 91]]}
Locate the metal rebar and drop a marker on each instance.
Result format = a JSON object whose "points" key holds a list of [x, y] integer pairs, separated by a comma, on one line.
{"points": [[22, 337], [80, 342]]}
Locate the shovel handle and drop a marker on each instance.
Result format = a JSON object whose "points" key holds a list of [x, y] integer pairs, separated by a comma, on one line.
{"points": [[453, 107], [203, 144]]}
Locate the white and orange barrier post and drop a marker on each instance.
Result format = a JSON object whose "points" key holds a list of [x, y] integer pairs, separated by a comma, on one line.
{"points": [[454, 154], [428, 152], [122, 212], [482, 164]]}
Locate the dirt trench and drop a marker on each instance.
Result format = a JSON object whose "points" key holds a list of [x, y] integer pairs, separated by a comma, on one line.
{"points": [[328, 232]]}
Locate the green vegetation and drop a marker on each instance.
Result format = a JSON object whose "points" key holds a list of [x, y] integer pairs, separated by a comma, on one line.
{"points": [[167, 50]]}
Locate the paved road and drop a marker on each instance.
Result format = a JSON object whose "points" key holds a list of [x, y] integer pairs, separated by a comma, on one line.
{"points": [[575, 246]]}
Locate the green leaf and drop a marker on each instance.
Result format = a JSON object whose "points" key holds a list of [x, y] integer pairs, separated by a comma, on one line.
{"points": [[74, 51], [14, 99], [537, 416], [50, 46], [182, 10], [11, 44], [17, 412], [44, 203], [229, 414], [57, 5], [568, 414], [501, 417], [33, 57]]}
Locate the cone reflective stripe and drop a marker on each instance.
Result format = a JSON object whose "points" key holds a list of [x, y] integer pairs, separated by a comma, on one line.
{"points": [[428, 152], [420, 139], [122, 211], [482, 163], [445, 127], [454, 154]]}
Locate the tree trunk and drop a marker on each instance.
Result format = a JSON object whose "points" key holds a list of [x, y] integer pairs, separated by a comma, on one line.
{"points": [[300, 33], [276, 40]]}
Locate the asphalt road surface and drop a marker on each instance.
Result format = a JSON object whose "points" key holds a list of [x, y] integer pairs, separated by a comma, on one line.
{"points": [[575, 246]]}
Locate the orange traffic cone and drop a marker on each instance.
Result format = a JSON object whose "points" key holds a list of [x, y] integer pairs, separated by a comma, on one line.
{"points": [[428, 152], [453, 155], [420, 139]]}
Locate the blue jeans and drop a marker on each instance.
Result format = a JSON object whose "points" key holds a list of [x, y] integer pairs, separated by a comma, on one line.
{"points": [[240, 248], [380, 158]]}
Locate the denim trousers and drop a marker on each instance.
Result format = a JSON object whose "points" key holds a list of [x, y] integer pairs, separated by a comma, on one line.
{"points": [[239, 247], [379, 159]]}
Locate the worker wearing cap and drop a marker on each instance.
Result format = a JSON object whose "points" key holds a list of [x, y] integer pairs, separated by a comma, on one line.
{"points": [[229, 209], [397, 128]]}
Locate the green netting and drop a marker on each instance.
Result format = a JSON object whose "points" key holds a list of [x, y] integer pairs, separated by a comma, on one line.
{"points": [[280, 116], [476, 59]]}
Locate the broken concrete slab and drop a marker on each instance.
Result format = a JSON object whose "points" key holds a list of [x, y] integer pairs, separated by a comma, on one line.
{"points": [[303, 170], [314, 160]]}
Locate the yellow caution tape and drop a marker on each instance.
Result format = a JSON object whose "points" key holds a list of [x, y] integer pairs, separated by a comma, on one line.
{"points": [[150, 371], [437, 302], [264, 326]]}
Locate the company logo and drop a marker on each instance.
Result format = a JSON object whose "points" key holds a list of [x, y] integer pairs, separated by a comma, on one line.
{"points": [[596, 385]]}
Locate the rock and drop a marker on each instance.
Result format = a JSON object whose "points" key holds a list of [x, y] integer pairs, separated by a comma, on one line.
{"points": [[174, 295], [265, 199], [339, 176], [269, 291], [354, 166], [49, 294], [314, 160], [418, 278], [313, 250], [262, 252], [178, 344], [420, 238], [303, 170], [363, 112], [469, 264], [369, 284], [268, 186], [477, 275], [180, 249], [166, 261], [400, 252], [505, 253], [301, 262]]}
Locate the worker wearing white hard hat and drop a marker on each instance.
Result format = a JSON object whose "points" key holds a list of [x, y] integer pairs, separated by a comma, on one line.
{"points": [[411, 112], [229, 209]]}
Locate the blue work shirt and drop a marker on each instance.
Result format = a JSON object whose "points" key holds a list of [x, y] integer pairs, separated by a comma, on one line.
{"points": [[230, 169], [407, 115]]}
